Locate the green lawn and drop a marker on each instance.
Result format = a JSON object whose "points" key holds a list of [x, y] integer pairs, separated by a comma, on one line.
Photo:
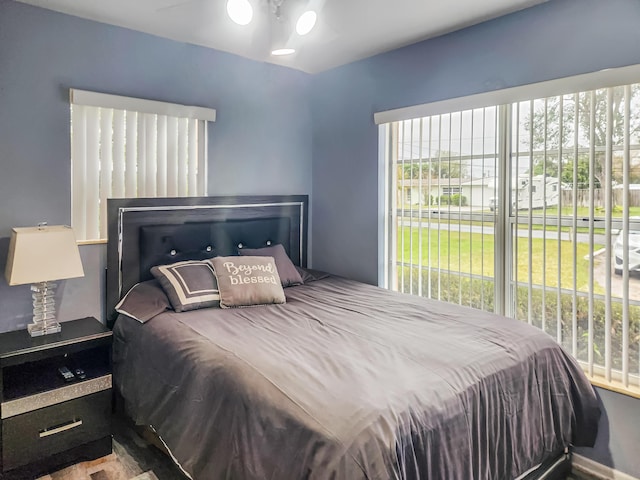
{"points": [[581, 212], [474, 253]]}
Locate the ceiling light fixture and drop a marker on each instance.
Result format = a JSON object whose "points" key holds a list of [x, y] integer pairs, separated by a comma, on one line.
{"points": [[280, 52], [240, 11], [280, 31], [306, 22]]}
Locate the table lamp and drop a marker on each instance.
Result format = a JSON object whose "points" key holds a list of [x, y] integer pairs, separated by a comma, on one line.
{"points": [[38, 255]]}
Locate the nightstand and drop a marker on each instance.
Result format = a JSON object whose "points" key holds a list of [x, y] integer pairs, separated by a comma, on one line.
{"points": [[46, 422]]}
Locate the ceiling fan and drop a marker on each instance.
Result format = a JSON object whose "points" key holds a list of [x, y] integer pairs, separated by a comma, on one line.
{"points": [[281, 24], [282, 14]]}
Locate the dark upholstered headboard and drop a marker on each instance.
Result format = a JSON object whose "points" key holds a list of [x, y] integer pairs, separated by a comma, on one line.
{"points": [[155, 231]]}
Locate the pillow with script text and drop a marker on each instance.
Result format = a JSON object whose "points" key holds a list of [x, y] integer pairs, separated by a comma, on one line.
{"points": [[247, 281]]}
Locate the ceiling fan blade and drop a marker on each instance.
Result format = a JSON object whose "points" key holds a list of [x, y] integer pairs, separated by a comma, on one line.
{"points": [[173, 4], [260, 35], [316, 5], [326, 22]]}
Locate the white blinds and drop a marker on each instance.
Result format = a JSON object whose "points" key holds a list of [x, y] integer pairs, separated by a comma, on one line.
{"points": [[122, 152], [531, 209], [576, 196], [118, 102], [443, 170]]}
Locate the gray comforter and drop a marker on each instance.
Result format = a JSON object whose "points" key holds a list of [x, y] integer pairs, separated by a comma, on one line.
{"points": [[349, 381]]}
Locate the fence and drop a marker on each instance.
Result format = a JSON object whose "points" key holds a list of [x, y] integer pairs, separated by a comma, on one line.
{"points": [[599, 196]]}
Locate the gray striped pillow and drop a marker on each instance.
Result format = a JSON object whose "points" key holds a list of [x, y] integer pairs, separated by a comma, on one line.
{"points": [[189, 285]]}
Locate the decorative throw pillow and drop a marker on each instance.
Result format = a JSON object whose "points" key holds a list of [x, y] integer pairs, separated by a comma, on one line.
{"points": [[247, 281], [309, 275], [289, 276], [144, 301], [189, 285]]}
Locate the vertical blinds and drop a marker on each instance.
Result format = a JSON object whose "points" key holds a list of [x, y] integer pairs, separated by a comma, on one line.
{"points": [[139, 149], [445, 171], [530, 208], [579, 199]]}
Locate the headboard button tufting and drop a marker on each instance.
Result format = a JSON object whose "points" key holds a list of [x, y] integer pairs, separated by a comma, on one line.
{"points": [[173, 253], [268, 242], [209, 248], [240, 245]]}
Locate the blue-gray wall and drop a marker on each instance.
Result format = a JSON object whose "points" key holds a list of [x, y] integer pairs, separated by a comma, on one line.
{"points": [[260, 144], [618, 442], [552, 40], [279, 131]]}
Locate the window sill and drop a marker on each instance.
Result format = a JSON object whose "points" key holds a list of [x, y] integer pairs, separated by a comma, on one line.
{"points": [[615, 386], [92, 242]]}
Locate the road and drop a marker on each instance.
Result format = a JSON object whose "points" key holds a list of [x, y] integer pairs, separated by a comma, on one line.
{"points": [[488, 229], [617, 282]]}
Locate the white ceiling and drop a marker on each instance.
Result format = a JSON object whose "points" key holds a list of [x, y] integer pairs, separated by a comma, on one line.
{"points": [[347, 30]]}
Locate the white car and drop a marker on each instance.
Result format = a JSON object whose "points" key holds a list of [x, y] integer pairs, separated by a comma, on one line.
{"points": [[634, 252]]}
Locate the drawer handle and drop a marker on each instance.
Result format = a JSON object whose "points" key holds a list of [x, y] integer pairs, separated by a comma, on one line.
{"points": [[62, 428]]}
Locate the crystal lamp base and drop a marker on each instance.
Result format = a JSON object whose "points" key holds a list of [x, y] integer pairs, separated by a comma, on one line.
{"points": [[37, 329], [44, 310]]}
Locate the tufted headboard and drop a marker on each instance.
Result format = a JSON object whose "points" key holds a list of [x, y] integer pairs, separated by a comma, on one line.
{"points": [[154, 231]]}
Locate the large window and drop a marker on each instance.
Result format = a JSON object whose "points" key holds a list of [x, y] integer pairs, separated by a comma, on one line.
{"points": [[529, 208], [124, 147]]}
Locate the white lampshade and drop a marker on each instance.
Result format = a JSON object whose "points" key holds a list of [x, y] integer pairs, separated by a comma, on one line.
{"points": [[42, 254]]}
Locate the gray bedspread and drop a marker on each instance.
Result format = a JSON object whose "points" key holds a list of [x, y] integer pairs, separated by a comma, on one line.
{"points": [[347, 381]]}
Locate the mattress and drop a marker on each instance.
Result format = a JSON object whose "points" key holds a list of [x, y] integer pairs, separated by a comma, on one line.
{"points": [[351, 381]]}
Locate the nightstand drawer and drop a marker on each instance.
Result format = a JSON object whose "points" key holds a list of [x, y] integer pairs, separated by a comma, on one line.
{"points": [[39, 434]]}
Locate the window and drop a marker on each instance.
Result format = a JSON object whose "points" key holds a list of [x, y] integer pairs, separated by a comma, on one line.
{"points": [[125, 147], [443, 251], [566, 164]]}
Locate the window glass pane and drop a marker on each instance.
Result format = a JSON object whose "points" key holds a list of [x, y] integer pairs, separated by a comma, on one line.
{"points": [[445, 178]]}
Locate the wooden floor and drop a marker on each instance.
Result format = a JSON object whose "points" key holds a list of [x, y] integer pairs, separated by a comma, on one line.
{"points": [[582, 476], [577, 475]]}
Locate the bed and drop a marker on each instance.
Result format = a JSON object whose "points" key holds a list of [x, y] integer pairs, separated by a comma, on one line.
{"points": [[345, 380]]}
